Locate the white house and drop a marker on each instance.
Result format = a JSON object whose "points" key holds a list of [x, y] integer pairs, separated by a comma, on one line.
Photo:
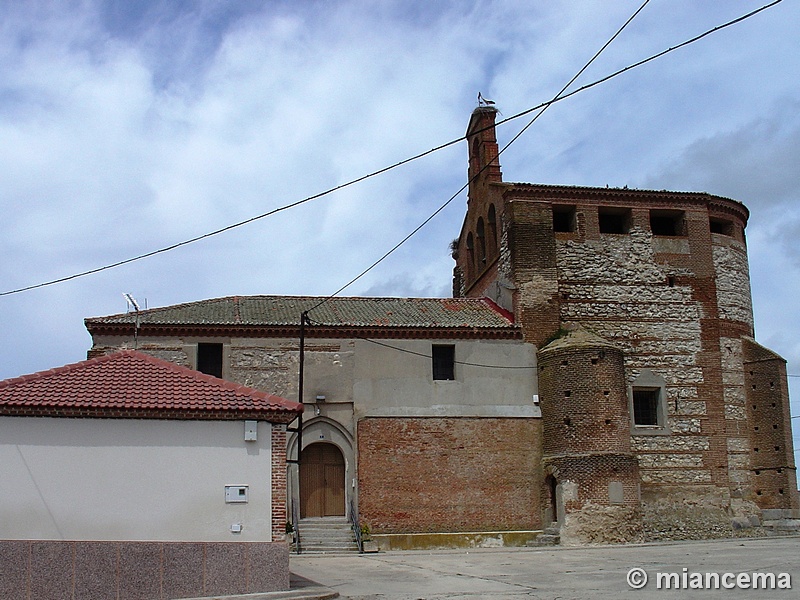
{"points": [[127, 475]]}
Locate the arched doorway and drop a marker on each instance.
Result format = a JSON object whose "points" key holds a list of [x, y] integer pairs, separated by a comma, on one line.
{"points": [[322, 481], [552, 495]]}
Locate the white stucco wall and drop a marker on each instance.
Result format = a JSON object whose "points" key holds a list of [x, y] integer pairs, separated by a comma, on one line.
{"points": [[121, 479], [389, 382]]}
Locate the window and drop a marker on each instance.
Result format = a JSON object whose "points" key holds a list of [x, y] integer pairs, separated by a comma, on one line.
{"points": [[648, 404], [444, 359], [667, 222], [481, 231], [614, 220], [721, 226], [209, 359], [564, 218], [492, 222], [645, 406]]}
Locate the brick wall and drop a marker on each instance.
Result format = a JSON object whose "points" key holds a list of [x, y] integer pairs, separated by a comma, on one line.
{"points": [[279, 490], [771, 454], [449, 474]]}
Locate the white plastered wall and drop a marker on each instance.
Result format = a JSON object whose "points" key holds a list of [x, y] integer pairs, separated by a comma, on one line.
{"points": [[127, 479]]}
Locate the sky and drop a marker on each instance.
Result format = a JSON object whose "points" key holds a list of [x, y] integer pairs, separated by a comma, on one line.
{"points": [[130, 126]]}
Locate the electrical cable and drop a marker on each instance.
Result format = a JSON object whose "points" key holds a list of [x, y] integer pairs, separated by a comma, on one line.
{"points": [[379, 171], [423, 355], [544, 107]]}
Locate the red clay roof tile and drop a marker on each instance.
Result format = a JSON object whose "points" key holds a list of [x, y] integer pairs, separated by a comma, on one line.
{"points": [[136, 385]]}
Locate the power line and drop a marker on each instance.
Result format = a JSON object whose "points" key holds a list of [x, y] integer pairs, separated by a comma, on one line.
{"points": [[381, 171], [426, 356], [543, 107]]}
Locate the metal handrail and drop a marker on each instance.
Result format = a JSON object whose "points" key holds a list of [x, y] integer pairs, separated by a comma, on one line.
{"points": [[296, 527], [356, 527]]}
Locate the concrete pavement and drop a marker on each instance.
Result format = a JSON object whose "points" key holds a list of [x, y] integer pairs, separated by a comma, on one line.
{"points": [[549, 573]]}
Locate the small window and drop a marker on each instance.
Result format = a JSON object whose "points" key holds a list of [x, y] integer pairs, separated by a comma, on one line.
{"points": [[667, 223], [564, 218], [646, 403], [209, 359], [614, 220], [444, 359], [721, 226]]}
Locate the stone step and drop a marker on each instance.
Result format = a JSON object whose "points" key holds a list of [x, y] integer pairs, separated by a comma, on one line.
{"points": [[326, 535], [782, 526], [545, 539]]}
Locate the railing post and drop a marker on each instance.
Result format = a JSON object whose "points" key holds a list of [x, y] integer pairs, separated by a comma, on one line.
{"points": [[356, 527]]}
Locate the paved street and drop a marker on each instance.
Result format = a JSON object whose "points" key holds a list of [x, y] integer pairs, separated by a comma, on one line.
{"points": [[563, 573]]}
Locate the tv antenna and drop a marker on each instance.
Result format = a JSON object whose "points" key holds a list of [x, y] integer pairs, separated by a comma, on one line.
{"points": [[135, 305]]}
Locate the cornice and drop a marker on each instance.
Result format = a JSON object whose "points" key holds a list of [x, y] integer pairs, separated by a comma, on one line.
{"points": [[311, 331]]}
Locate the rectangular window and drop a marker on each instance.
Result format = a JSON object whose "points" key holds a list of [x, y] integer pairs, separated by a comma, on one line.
{"points": [[444, 361], [209, 359], [646, 403], [667, 222], [722, 226], [614, 220], [564, 218]]}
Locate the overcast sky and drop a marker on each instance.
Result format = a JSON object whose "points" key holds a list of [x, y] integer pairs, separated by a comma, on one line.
{"points": [[129, 126]]}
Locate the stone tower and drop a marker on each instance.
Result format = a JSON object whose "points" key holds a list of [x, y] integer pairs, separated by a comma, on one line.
{"points": [[660, 282]]}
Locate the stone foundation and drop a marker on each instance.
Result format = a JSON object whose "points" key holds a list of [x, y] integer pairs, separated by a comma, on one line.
{"points": [[595, 524]]}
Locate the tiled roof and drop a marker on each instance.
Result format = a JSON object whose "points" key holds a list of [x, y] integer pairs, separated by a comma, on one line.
{"points": [[453, 313], [135, 385]]}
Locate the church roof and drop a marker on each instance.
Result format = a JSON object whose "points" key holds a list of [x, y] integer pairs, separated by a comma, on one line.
{"points": [[131, 384], [271, 315]]}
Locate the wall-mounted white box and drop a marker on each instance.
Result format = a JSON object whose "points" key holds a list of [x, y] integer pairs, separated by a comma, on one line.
{"points": [[250, 431], [236, 494]]}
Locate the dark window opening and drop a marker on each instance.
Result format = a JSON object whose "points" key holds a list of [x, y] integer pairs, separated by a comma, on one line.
{"points": [[721, 226], [444, 360], [492, 221], [645, 406], [611, 220], [481, 241], [667, 223], [209, 359], [564, 219]]}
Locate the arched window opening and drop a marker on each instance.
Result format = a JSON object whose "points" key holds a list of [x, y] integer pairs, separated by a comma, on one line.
{"points": [[492, 220], [474, 158], [470, 253], [481, 233]]}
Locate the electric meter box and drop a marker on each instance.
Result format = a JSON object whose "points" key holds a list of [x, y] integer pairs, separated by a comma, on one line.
{"points": [[236, 494]]}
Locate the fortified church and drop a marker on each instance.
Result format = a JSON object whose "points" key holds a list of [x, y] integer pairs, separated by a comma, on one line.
{"points": [[594, 376]]}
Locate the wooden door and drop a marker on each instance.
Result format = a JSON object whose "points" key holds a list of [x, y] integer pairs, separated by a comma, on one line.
{"points": [[321, 481]]}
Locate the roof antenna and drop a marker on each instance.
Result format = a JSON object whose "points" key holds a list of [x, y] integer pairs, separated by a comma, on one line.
{"points": [[132, 303]]}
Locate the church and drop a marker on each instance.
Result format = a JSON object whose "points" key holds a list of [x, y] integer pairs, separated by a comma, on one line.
{"points": [[593, 379]]}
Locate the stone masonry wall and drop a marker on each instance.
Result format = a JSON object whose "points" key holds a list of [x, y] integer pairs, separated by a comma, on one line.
{"points": [[449, 474], [617, 289], [668, 302]]}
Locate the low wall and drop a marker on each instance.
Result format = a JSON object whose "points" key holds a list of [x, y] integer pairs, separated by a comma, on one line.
{"points": [[92, 570]]}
